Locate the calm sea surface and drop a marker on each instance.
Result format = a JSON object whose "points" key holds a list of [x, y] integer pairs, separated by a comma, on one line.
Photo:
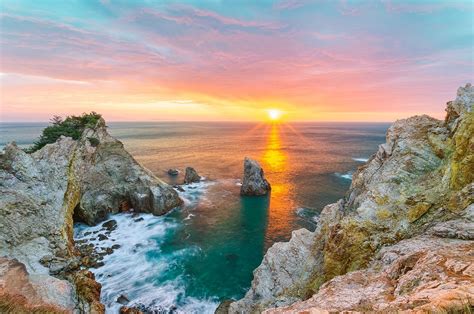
{"points": [[206, 251]]}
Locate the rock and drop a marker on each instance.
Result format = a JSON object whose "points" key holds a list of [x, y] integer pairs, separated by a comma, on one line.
{"points": [[110, 225], [88, 291], [139, 219], [130, 310], [43, 193], [254, 182], [191, 176], [173, 172], [122, 299], [423, 274], [21, 292], [102, 237], [223, 307], [401, 239], [179, 188]]}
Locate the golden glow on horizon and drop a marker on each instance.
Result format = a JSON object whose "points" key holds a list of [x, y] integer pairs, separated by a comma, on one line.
{"points": [[274, 114]]}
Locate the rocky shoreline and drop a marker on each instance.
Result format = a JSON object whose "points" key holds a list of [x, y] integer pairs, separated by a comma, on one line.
{"points": [[44, 193], [402, 239]]}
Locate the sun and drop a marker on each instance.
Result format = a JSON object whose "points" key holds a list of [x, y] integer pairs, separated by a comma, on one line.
{"points": [[274, 114]]}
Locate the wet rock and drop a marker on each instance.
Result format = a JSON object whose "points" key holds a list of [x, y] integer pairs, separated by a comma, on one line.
{"points": [[122, 299], [223, 307], [139, 219], [130, 310], [102, 237], [254, 182], [173, 172], [179, 188], [115, 246], [110, 225], [191, 176]]}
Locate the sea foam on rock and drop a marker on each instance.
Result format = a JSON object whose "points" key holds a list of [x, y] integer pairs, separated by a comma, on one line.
{"points": [[254, 182], [401, 238], [42, 191]]}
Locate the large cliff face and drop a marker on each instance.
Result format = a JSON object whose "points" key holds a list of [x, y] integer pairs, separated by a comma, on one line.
{"points": [[400, 239], [44, 192]]}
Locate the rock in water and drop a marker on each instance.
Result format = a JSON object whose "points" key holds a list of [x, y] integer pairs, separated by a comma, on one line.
{"points": [[254, 182], [173, 172], [400, 240], [191, 175]]}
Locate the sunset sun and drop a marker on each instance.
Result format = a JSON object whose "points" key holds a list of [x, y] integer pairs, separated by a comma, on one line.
{"points": [[274, 114]]}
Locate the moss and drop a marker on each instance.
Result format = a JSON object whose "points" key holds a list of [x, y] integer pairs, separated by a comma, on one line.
{"points": [[418, 210], [72, 197], [381, 200], [348, 248], [383, 214], [462, 162]]}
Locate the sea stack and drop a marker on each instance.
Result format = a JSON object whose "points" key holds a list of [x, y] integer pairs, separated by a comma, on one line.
{"points": [[191, 175], [254, 182]]}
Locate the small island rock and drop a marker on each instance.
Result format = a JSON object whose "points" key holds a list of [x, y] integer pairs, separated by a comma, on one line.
{"points": [[173, 172], [191, 175], [254, 182]]}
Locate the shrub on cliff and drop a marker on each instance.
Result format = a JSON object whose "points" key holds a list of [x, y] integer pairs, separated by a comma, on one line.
{"points": [[72, 126]]}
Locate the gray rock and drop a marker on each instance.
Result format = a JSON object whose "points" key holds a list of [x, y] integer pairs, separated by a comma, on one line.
{"points": [[42, 192], [122, 299], [191, 176], [254, 182], [409, 210], [173, 172]]}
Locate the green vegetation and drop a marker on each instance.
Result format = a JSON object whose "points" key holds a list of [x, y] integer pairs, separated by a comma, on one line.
{"points": [[72, 126]]}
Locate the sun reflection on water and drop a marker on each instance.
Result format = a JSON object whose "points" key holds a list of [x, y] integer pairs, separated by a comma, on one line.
{"points": [[275, 162]]}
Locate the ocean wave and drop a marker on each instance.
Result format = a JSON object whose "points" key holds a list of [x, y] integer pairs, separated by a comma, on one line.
{"points": [[139, 267], [361, 159], [347, 176]]}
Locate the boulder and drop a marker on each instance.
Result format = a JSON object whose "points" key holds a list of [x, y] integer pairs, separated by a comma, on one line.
{"points": [[191, 175], [254, 182]]}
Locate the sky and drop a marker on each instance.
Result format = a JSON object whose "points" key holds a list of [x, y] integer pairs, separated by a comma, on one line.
{"points": [[232, 60]]}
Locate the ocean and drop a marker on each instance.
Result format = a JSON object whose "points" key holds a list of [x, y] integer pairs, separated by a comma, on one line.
{"points": [[204, 252]]}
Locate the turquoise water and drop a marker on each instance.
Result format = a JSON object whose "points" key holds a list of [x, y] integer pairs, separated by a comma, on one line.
{"points": [[205, 252]]}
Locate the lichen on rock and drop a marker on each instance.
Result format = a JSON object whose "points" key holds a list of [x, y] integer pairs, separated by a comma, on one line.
{"points": [[414, 196]]}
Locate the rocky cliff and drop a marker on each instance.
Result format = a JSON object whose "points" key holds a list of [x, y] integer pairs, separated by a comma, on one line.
{"points": [[43, 193], [401, 239]]}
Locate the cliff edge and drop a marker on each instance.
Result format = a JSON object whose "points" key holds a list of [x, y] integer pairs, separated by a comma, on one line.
{"points": [[401, 238], [43, 193]]}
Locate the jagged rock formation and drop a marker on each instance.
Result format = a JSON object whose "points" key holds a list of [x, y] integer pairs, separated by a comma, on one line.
{"points": [[41, 192], [254, 182], [402, 238], [191, 175]]}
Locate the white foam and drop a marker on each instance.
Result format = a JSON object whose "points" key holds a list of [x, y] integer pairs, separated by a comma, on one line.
{"points": [[347, 176], [361, 159], [129, 270]]}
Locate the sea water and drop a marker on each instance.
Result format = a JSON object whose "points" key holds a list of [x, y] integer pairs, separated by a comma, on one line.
{"points": [[204, 252]]}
